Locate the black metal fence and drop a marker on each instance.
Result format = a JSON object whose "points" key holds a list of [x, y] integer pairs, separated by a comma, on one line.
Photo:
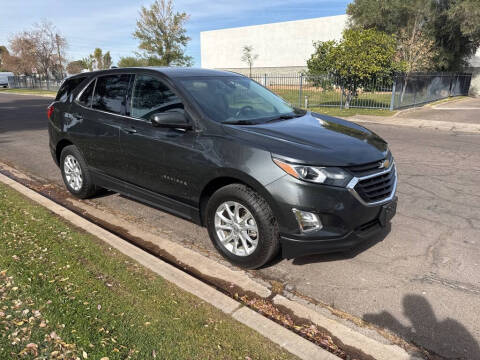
{"points": [[417, 89], [33, 82], [308, 91], [400, 91]]}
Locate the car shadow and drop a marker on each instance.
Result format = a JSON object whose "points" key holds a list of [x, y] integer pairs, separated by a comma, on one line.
{"points": [[344, 255], [102, 193], [448, 338]]}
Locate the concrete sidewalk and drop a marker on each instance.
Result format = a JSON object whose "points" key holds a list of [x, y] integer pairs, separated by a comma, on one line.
{"points": [[462, 115]]}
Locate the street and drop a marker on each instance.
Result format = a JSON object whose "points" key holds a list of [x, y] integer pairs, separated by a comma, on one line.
{"points": [[419, 279]]}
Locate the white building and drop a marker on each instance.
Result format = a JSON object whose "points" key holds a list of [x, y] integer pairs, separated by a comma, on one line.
{"points": [[282, 47], [475, 70]]}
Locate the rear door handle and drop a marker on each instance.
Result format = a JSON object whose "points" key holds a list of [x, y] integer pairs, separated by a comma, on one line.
{"points": [[130, 130]]}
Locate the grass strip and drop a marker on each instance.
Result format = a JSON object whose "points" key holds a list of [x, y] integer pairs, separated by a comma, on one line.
{"points": [[66, 295], [30, 92]]}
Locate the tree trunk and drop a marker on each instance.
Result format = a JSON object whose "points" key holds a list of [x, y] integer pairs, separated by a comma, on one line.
{"points": [[347, 94], [404, 88]]}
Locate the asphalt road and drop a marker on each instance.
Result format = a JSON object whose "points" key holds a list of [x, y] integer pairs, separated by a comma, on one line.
{"points": [[420, 279]]}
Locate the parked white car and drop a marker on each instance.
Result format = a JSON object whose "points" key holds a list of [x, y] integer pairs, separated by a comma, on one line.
{"points": [[4, 78]]}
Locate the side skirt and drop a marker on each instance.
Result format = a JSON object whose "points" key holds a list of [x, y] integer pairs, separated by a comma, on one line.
{"points": [[146, 196]]}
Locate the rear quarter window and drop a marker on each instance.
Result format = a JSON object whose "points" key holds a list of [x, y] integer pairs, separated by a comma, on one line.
{"points": [[67, 88]]}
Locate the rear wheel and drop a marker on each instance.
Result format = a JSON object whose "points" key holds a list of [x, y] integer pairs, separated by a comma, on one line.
{"points": [[242, 226], [75, 173]]}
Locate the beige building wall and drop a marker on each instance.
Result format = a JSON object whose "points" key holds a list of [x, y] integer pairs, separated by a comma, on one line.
{"points": [[475, 84], [286, 70], [281, 47]]}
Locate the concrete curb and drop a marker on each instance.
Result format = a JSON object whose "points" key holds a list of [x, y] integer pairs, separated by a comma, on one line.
{"points": [[288, 340], [271, 330], [419, 123], [350, 339]]}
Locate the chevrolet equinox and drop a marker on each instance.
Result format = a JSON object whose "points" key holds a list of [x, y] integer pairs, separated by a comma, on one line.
{"points": [[223, 151]]}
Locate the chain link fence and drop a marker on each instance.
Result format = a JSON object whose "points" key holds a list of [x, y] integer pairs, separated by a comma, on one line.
{"points": [[33, 82], [400, 91]]}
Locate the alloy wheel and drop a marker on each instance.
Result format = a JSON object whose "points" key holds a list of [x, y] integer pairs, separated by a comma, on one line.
{"points": [[236, 228], [73, 173]]}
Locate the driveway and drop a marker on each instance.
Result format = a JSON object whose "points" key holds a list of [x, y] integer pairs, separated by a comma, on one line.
{"points": [[465, 110], [419, 279]]}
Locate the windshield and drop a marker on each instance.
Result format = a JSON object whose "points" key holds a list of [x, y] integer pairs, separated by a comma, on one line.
{"points": [[238, 100]]}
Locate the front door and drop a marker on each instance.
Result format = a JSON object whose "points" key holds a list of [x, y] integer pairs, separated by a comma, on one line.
{"points": [[157, 159]]}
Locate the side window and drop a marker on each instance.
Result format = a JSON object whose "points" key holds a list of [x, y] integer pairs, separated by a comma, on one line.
{"points": [[110, 93], [150, 96], [67, 87], [86, 98]]}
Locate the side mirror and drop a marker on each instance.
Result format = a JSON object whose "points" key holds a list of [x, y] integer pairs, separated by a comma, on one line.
{"points": [[171, 119]]}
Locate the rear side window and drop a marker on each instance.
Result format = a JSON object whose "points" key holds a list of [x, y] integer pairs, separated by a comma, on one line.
{"points": [[67, 87], [86, 98], [111, 93]]}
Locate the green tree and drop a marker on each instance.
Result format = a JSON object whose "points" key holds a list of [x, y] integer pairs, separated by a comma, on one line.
{"points": [[98, 58], [75, 67], [450, 28], [131, 61], [107, 60], [249, 57], [88, 62], [360, 57], [162, 34], [456, 32]]}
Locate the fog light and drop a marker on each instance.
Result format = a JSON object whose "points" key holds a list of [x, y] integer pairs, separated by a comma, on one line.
{"points": [[307, 221]]}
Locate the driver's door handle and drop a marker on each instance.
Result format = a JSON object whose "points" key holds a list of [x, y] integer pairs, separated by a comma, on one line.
{"points": [[130, 130]]}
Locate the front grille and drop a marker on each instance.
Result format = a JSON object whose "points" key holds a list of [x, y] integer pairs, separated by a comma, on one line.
{"points": [[369, 168], [377, 188]]}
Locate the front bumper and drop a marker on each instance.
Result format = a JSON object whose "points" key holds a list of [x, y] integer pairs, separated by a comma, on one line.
{"points": [[347, 221], [293, 247]]}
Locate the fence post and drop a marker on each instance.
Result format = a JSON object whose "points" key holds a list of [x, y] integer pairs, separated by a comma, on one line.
{"points": [[300, 91], [392, 100], [451, 85], [265, 80], [341, 97]]}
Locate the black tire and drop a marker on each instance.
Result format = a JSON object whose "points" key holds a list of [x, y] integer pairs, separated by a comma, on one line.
{"points": [[88, 188], [268, 238]]}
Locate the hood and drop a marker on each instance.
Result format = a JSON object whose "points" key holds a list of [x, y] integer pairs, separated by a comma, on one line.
{"points": [[315, 139]]}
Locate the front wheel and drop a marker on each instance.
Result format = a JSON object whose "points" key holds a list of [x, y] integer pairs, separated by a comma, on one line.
{"points": [[242, 226]]}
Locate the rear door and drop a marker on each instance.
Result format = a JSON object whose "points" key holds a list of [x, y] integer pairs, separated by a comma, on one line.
{"points": [[97, 117]]}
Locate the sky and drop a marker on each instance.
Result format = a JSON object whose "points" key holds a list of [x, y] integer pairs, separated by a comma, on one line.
{"points": [[109, 24]]}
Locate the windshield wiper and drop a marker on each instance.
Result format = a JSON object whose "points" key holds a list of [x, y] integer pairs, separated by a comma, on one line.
{"points": [[239, 122], [284, 117]]}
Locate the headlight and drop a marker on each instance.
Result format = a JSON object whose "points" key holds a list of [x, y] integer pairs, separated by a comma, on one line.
{"points": [[322, 175]]}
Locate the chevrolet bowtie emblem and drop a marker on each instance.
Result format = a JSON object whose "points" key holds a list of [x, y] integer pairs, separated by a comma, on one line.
{"points": [[384, 164]]}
